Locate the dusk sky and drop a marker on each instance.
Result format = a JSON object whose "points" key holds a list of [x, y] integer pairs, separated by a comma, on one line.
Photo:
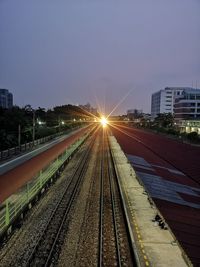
{"points": [[72, 51]]}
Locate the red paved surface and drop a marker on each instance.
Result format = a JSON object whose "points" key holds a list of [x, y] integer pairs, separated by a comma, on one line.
{"points": [[183, 218], [11, 181]]}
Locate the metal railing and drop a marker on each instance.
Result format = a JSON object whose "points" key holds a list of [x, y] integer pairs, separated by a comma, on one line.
{"points": [[16, 203], [8, 153]]}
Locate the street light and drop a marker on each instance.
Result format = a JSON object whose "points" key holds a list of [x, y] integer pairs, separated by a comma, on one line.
{"points": [[33, 134], [19, 136]]}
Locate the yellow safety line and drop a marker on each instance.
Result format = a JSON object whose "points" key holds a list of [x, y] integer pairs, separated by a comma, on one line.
{"points": [[138, 232]]}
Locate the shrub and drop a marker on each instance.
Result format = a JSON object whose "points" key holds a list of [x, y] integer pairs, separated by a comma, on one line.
{"points": [[172, 131], [193, 136], [44, 131]]}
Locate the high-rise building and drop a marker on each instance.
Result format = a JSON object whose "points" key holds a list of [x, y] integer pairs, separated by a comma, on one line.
{"points": [[163, 100], [6, 99]]}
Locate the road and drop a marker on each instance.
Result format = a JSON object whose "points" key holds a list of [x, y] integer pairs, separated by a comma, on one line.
{"points": [[15, 178], [10, 164]]}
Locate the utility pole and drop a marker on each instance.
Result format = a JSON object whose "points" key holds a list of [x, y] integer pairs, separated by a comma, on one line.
{"points": [[33, 126], [59, 123], [19, 136]]}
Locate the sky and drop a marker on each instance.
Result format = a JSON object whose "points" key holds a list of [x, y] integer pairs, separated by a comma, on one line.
{"points": [[100, 51]]}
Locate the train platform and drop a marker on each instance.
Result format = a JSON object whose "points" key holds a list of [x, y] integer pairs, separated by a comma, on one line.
{"points": [[151, 236]]}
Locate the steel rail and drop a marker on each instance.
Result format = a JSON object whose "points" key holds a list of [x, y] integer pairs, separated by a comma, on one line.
{"points": [[79, 171], [106, 173], [101, 205], [133, 249], [112, 193], [64, 216]]}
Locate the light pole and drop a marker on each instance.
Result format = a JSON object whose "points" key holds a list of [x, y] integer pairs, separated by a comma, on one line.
{"points": [[19, 136], [33, 134]]}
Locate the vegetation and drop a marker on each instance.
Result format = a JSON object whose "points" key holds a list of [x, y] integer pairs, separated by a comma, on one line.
{"points": [[17, 124], [164, 120], [193, 136]]}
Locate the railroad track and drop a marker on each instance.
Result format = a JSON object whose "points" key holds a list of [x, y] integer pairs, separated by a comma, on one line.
{"points": [[46, 251], [115, 248], [103, 237]]}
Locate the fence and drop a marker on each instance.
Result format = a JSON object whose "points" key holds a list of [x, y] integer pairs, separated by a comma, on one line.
{"points": [[16, 203], [5, 154]]}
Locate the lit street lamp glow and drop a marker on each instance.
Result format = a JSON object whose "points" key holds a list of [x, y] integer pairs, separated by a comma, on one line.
{"points": [[103, 121]]}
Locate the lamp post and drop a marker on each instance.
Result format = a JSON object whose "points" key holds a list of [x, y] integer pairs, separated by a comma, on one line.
{"points": [[61, 123], [19, 136], [33, 133]]}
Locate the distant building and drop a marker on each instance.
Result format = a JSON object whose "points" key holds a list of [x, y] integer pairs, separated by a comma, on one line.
{"points": [[6, 99], [187, 110], [147, 116], [134, 113], [163, 100], [182, 102]]}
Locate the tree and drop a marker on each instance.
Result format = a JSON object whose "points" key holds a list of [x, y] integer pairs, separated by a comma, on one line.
{"points": [[10, 119], [164, 120], [18, 122]]}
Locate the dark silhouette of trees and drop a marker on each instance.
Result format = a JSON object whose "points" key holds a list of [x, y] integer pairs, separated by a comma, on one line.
{"points": [[164, 120], [45, 122]]}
